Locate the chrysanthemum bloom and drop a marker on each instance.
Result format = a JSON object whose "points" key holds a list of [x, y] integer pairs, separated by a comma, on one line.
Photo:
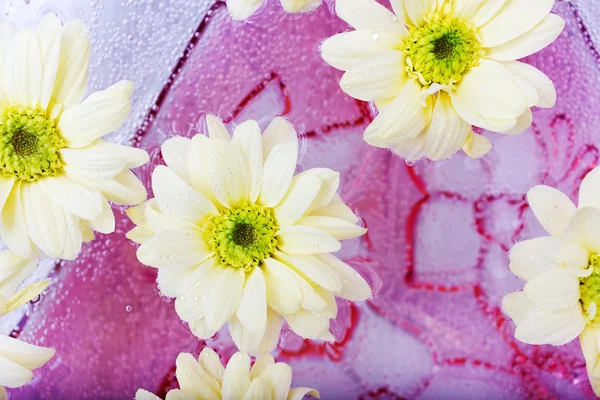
{"points": [[435, 68], [206, 379], [18, 359], [243, 9], [237, 238], [561, 299], [56, 173]]}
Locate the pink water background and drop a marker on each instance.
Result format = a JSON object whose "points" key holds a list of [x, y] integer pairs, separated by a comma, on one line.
{"points": [[435, 253]]}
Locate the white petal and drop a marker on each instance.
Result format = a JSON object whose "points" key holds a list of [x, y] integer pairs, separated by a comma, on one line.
{"points": [[308, 324], [489, 91], [284, 294], [49, 37], [178, 249], [301, 240], [100, 114], [237, 377], [297, 6], [300, 392], [463, 109], [555, 289], [194, 380], [24, 354], [222, 296], [531, 258], [379, 76], [23, 70], [531, 42], [210, 361], [242, 9], [105, 223], [14, 270], [543, 85], [198, 162], [302, 192], [514, 19], [337, 228], [75, 198], [589, 347], [551, 207], [330, 181], [278, 378], [278, 170], [336, 209], [14, 230], [589, 191], [248, 137], [263, 361], [171, 281], [556, 327], [216, 128], [123, 189], [523, 122], [575, 259], [584, 228], [176, 394], [279, 131], [315, 270], [142, 394], [72, 75], [161, 222], [229, 173], [74, 236], [412, 149], [13, 375], [404, 118], [6, 186], [476, 146], [102, 160], [370, 15], [244, 340], [417, 9], [189, 305], [354, 286], [45, 220], [346, 49], [252, 311], [258, 390], [176, 153], [516, 306], [447, 132], [486, 11], [177, 198]]}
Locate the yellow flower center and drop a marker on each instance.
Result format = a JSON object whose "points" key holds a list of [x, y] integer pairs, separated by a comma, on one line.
{"points": [[242, 237], [29, 144], [589, 290], [441, 50]]}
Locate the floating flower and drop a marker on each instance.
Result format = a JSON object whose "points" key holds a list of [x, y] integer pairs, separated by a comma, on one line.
{"points": [[18, 359], [436, 68], [206, 379], [56, 173], [561, 298], [237, 238], [243, 9]]}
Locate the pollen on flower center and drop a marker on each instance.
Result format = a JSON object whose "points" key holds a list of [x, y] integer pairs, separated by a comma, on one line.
{"points": [[29, 145], [242, 237], [441, 50], [589, 290]]}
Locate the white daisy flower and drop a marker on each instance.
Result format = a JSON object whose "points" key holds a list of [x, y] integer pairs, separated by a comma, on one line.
{"points": [[56, 173], [243, 9], [206, 379], [237, 238], [435, 68], [18, 359], [561, 298]]}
